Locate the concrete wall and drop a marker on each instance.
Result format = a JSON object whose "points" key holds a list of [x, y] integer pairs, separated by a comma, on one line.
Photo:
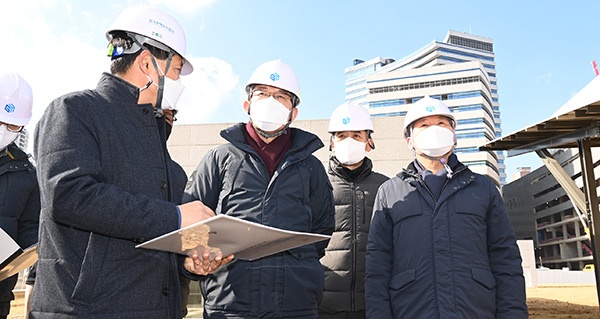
{"points": [[189, 143], [564, 277], [528, 256]]}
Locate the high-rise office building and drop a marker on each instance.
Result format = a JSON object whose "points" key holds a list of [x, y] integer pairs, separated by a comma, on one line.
{"points": [[461, 71]]}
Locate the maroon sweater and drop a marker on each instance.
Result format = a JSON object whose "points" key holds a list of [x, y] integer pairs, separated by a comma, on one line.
{"points": [[271, 153]]}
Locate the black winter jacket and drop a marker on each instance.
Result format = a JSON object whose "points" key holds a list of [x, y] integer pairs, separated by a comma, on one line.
{"points": [[344, 260], [19, 196], [232, 179], [19, 208]]}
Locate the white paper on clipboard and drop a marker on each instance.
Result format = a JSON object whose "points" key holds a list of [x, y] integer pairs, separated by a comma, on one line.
{"points": [[231, 235]]}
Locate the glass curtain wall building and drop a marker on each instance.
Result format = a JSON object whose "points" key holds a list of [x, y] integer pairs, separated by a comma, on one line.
{"points": [[460, 71]]}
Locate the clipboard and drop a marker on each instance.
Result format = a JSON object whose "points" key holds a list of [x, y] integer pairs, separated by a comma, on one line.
{"points": [[230, 235], [13, 258]]}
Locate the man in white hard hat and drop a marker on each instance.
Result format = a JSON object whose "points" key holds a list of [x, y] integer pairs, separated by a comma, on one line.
{"points": [[19, 192], [355, 185], [266, 173], [441, 244], [108, 183]]}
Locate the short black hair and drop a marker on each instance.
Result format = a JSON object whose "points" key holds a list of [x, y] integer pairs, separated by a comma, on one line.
{"points": [[121, 64]]}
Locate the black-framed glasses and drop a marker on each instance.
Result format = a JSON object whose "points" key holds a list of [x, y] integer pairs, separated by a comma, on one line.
{"points": [[12, 128], [280, 96]]}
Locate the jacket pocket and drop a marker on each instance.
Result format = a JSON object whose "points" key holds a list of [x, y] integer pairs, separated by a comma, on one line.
{"points": [[90, 272], [474, 206], [483, 277], [403, 279], [304, 252]]}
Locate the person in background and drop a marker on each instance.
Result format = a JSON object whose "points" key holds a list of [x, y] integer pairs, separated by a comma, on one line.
{"points": [[441, 244], [29, 285], [19, 191], [266, 173], [355, 185], [108, 183]]}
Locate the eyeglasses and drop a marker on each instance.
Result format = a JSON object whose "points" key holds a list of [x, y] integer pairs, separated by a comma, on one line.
{"points": [[280, 96], [12, 128]]}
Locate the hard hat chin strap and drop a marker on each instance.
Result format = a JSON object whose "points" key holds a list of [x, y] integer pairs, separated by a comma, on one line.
{"points": [[274, 134], [441, 159], [161, 83], [161, 76]]}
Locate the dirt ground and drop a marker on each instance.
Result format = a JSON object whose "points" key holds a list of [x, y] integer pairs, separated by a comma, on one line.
{"points": [[546, 302]]}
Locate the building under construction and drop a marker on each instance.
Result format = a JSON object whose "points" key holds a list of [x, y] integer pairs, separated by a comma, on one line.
{"points": [[540, 209]]}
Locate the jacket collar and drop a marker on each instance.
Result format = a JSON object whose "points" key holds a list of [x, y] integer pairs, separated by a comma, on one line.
{"points": [[303, 143], [336, 169], [412, 170], [112, 87]]}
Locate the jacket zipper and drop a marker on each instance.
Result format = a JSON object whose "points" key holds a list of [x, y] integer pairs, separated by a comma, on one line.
{"points": [[353, 248]]}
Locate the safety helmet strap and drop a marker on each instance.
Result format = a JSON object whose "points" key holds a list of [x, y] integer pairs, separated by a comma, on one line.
{"points": [[161, 77]]}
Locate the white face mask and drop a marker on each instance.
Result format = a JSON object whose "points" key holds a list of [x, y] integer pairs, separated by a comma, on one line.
{"points": [[6, 137], [434, 141], [349, 151], [268, 114], [171, 92]]}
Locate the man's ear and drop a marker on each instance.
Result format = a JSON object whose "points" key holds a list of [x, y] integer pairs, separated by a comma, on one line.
{"points": [[247, 107], [144, 61], [370, 145], [294, 113], [409, 142]]}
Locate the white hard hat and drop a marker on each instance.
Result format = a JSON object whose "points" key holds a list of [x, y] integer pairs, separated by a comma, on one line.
{"points": [[275, 73], [155, 27], [423, 108], [350, 117], [16, 99]]}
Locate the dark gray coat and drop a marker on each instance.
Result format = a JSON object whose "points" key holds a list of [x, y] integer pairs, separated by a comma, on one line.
{"points": [[106, 182], [232, 179], [453, 258], [344, 259]]}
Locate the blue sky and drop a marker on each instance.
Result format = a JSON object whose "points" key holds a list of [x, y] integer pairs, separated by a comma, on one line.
{"points": [[543, 51]]}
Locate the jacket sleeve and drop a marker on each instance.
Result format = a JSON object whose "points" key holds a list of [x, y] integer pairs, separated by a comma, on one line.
{"points": [[29, 220], [321, 204], [379, 258], [505, 261], [206, 182]]}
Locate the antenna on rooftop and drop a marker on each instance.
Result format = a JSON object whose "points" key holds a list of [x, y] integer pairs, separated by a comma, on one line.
{"points": [[595, 66]]}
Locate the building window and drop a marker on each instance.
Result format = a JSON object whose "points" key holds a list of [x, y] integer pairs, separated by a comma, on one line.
{"points": [[470, 43], [421, 85]]}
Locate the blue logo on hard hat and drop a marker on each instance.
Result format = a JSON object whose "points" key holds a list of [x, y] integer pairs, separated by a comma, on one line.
{"points": [[430, 108], [274, 77], [346, 120], [9, 108]]}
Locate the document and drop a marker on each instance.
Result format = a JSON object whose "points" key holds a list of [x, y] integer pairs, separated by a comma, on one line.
{"points": [[231, 235], [13, 259]]}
